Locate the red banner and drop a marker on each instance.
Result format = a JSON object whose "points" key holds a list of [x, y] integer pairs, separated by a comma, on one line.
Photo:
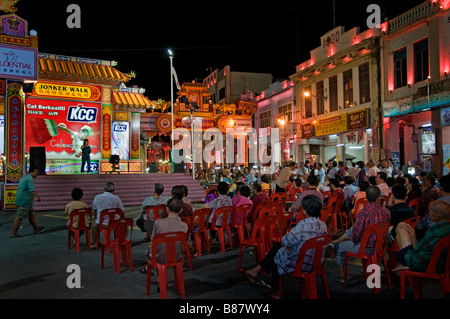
{"points": [[61, 126], [135, 135], [106, 141], [14, 127]]}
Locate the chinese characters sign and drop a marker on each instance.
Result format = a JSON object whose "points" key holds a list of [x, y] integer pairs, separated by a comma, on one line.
{"points": [[14, 138]]}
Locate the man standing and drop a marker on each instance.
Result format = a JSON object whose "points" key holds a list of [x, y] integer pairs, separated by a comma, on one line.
{"points": [[26, 194], [372, 169], [106, 200], [283, 180]]}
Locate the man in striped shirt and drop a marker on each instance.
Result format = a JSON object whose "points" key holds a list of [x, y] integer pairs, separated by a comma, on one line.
{"points": [[370, 215]]}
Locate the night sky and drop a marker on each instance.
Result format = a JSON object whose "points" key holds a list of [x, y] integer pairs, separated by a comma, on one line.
{"points": [[250, 36]]}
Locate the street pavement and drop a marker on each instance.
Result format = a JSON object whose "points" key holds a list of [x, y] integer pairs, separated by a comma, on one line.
{"points": [[36, 267]]}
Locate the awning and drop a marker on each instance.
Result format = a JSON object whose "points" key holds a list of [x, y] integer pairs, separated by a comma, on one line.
{"points": [[77, 71], [125, 99]]}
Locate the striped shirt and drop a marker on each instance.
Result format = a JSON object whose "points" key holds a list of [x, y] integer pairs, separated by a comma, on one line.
{"points": [[286, 257]]}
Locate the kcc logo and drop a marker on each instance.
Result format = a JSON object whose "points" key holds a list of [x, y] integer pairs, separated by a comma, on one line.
{"points": [[80, 113]]}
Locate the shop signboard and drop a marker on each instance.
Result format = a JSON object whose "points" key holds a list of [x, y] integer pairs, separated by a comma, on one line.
{"points": [[357, 120], [18, 62], [61, 126], [331, 125], [446, 157], [67, 91], [397, 107], [307, 130], [445, 116]]}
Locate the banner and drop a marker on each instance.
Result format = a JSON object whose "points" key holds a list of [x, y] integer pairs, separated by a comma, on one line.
{"points": [[446, 158], [120, 144], [61, 126], [14, 138], [135, 135]]}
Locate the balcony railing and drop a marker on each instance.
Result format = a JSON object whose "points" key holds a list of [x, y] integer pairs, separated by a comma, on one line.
{"points": [[415, 14]]}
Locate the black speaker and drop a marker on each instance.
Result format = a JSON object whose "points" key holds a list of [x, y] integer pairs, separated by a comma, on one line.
{"points": [[38, 158], [179, 167]]}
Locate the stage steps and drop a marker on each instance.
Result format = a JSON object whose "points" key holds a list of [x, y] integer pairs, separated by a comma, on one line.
{"points": [[55, 190]]}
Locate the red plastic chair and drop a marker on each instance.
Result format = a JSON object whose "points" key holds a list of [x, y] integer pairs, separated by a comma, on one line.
{"points": [[123, 230], [200, 220], [413, 221], [384, 200], [225, 212], [415, 278], [159, 211], [350, 217], [170, 241], [267, 210], [332, 211], [308, 283], [239, 221], [281, 225], [84, 217], [380, 231], [112, 214], [259, 239], [415, 204], [278, 198]]}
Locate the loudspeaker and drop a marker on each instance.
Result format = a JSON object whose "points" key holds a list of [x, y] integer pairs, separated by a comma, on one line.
{"points": [[179, 167], [38, 158]]}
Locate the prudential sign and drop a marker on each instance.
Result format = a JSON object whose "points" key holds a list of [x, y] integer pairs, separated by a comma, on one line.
{"points": [[18, 63]]}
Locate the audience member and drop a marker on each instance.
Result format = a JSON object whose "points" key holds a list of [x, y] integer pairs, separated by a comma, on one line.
{"points": [[309, 189], [349, 190], [444, 188], [105, 200], [265, 183], [171, 224], [372, 169], [336, 192], [187, 209], [320, 175], [282, 258], [430, 193], [415, 255], [157, 198], [241, 198], [381, 183], [350, 241], [76, 203], [296, 189], [400, 211], [412, 187], [221, 201], [259, 198]]}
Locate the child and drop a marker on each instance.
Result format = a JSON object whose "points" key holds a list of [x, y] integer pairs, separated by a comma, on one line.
{"points": [[76, 203]]}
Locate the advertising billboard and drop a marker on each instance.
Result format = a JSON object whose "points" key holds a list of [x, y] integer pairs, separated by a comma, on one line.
{"points": [[61, 127], [120, 144]]}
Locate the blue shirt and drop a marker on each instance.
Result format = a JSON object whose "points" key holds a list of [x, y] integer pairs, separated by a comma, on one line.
{"points": [[86, 151]]}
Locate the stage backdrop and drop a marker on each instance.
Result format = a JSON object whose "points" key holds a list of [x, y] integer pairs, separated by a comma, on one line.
{"points": [[61, 126]]}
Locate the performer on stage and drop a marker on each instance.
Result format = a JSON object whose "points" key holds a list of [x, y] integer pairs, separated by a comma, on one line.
{"points": [[85, 156]]}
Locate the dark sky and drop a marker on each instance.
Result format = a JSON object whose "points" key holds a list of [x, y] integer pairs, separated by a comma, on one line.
{"points": [[250, 36]]}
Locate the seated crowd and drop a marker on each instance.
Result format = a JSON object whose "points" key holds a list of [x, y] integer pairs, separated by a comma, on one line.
{"points": [[306, 190]]}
